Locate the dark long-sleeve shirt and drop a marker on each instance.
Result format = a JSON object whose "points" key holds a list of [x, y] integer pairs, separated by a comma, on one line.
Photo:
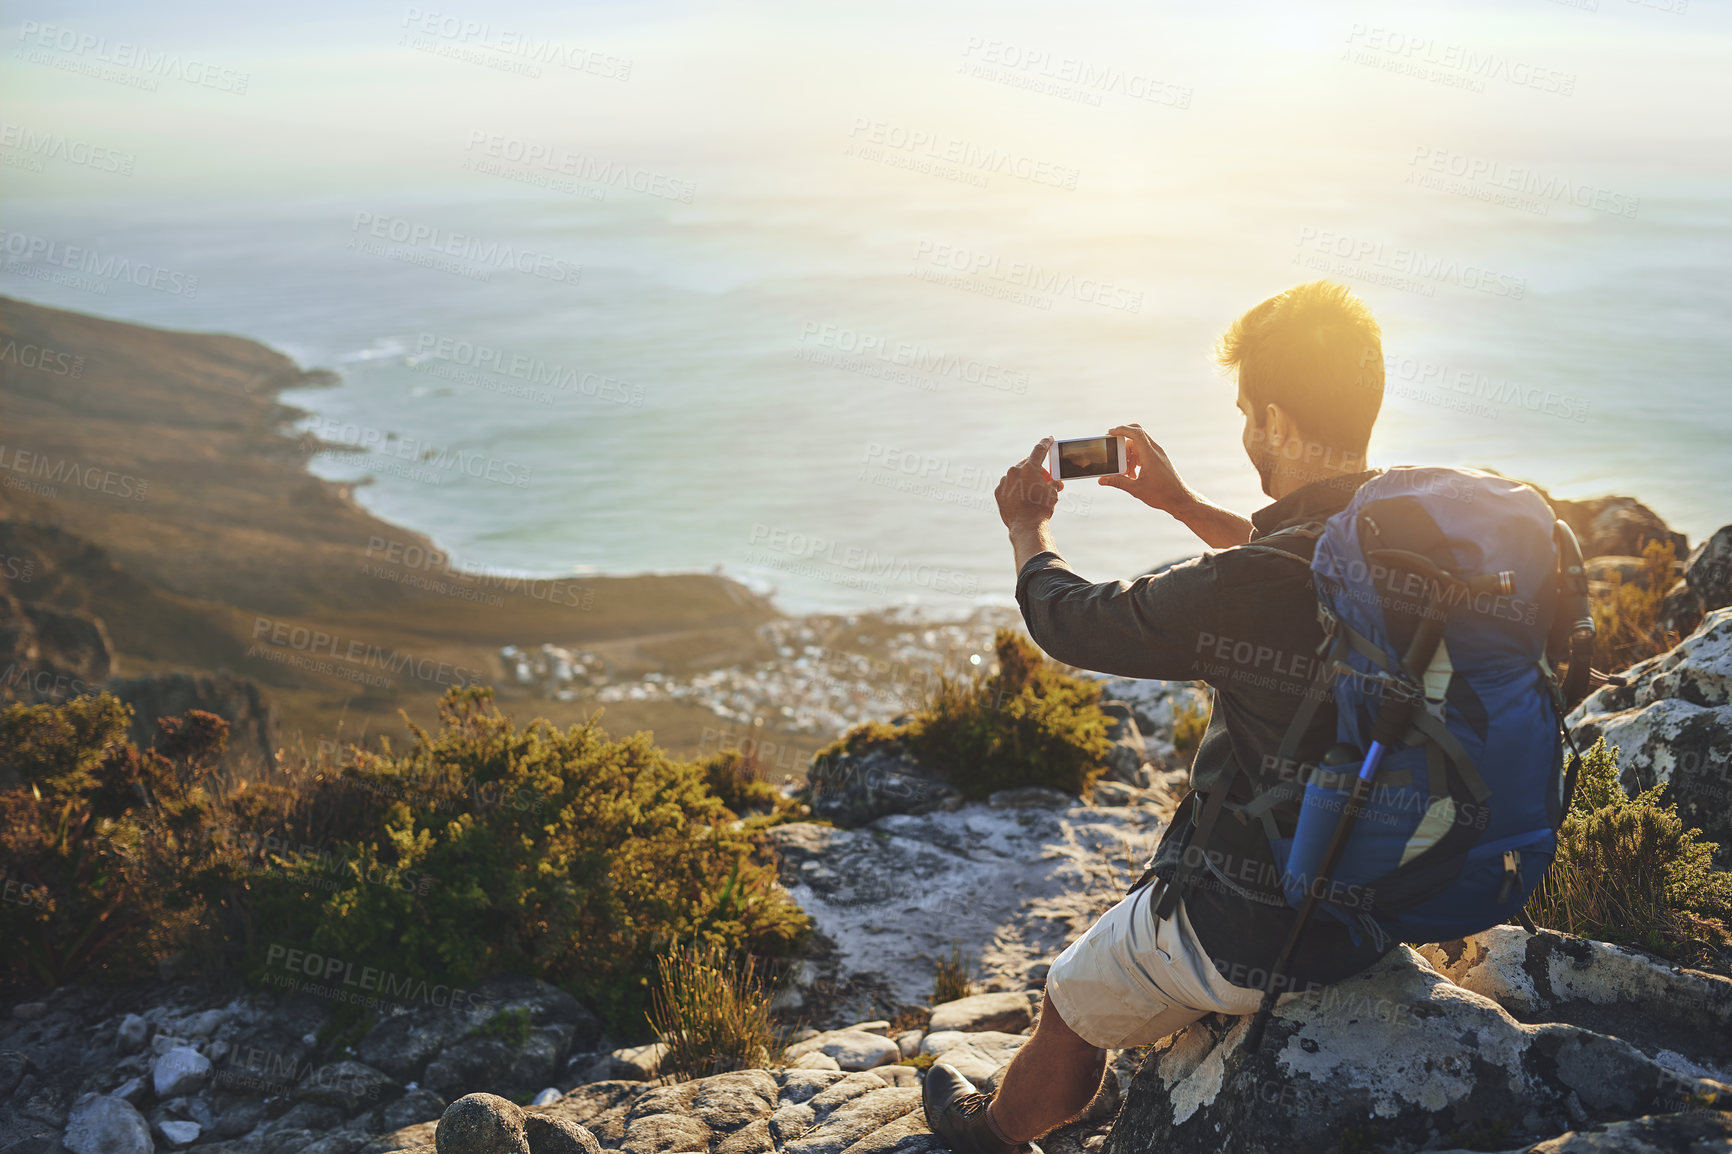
{"points": [[1243, 620]]}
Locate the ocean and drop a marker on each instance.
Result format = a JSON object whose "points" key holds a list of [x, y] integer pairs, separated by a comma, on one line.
{"points": [[812, 385]]}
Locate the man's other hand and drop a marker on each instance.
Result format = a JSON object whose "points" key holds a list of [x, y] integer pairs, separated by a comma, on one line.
{"points": [[1027, 494], [1149, 476]]}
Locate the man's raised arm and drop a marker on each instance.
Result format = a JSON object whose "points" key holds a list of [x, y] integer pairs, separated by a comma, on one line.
{"points": [[1142, 628]]}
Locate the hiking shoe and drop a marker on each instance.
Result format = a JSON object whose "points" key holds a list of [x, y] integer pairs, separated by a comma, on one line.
{"points": [[956, 1114]]}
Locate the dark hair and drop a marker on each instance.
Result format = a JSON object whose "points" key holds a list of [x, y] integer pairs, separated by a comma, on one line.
{"points": [[1316, 351]]}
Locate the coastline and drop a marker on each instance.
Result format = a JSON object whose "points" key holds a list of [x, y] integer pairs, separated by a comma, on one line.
{"points": [[218, 551]]}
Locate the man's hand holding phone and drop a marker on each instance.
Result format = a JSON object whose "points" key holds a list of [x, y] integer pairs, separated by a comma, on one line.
{"points": [[1149, 476]]}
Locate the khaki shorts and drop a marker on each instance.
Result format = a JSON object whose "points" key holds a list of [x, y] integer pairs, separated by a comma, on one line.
{"points": [[1129, 981]]}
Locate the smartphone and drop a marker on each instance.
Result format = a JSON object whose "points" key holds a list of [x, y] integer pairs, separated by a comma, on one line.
{"points": [[1077, 458]]}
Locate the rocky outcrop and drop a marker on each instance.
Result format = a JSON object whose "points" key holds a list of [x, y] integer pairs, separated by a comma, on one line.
{"points": [[1009, 885], [251, 1076], [1708, 571], [1615, 526], [238, 701], [855, 789], [1705, 586], [1672, 725], [1664, 1010], [1398, 1058]]}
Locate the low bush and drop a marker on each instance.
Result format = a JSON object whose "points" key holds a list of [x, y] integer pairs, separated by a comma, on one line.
{"points": [[1029, 723], [110, 862], [563, 854], [713, 1011], [1627, 871], [567, 855]]}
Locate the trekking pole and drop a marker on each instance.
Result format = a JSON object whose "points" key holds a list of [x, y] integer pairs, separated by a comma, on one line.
{"points": [[1389, 729]]}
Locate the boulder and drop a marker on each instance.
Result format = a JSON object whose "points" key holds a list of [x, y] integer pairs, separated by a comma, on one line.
{"points": [[104, 1125], [1397, 1057], [849, 1049], [178, 1134], [1128, 755], [1007, 1013], [481, 1124], [404, 1043], [130, 1035], [1615, 525], [550, 1135], [977, 1055], [179, 1070], [1661, 1008], [502, 1065], [854, 789], [1681, 609], [451, 1049], [1672, 725], [413, 1107], [641, 1063], [347, 1085], [1708, 571]]}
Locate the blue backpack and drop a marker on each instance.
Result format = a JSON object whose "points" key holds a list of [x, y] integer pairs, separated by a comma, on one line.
{"points": [[1461, 822], [1447, 598]]}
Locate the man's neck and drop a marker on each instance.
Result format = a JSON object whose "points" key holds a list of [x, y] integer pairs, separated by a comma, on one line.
{"points": [[1318, 464]]}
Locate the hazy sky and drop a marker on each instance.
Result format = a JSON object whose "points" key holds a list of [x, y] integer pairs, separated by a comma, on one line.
{"points": [[345, 95]]}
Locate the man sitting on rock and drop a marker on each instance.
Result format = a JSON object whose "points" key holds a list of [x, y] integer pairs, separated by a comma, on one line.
{"points": [[1242, 618]]}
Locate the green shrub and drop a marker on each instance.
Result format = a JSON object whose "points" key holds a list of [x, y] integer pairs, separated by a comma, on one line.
{"points": [[1028, 724], [1627, 871], [566, 855], [712, 1011], [562, 854], [110, 861]]}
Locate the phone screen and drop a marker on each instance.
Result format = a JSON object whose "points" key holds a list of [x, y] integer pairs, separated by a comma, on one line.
{"points": [[1088, 457]]}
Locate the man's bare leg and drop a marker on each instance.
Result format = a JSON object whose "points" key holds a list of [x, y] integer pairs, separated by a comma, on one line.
{"points": [[1050, 1080]]}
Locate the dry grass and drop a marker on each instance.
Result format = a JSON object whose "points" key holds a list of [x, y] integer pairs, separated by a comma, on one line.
{"points": [[713, 1012], [1627, 615], [951, 976]]}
